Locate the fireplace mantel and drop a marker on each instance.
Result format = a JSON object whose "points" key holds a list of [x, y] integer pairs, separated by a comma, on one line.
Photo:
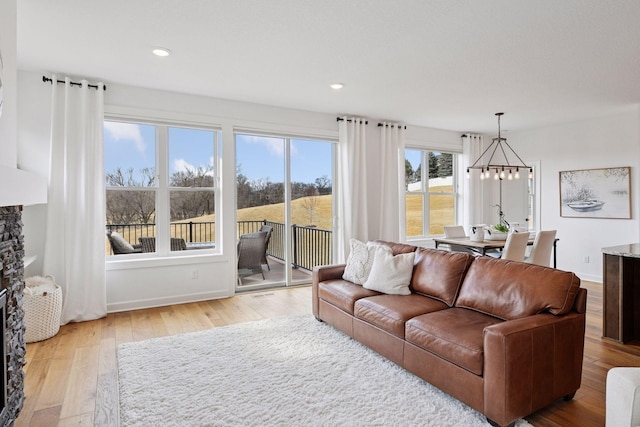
{"points": [[21, 188]]}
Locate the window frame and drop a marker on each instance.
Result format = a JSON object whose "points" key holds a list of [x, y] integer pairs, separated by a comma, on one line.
{"points": [[426, 193], [163, 190]]}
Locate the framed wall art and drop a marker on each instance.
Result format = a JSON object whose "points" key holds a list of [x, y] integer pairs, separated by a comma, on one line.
{"points": [[596, 193]]}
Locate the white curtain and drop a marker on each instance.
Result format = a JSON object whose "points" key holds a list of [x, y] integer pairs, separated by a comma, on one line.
{"points": [[351, 208], [472, 146], [75, 238], [392, 191]]}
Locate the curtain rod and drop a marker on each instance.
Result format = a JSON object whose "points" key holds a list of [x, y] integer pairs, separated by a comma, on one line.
{"points": [[46, 79], [391, 126], [349, 120]]}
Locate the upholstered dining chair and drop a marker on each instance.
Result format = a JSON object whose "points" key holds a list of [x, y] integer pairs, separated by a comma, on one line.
{"points": [[542, 245], [454, 231], [515, 246]]}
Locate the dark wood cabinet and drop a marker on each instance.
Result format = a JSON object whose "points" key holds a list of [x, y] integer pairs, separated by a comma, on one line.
{"points": [[621, 297]]}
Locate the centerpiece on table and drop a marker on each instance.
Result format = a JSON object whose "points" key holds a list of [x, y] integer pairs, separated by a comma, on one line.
{"points": [[497, 232]]}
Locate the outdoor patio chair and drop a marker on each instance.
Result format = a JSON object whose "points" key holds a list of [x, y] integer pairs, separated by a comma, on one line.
{"points": [[268, 229], [251, 249], [149, 244], [120, 246]]}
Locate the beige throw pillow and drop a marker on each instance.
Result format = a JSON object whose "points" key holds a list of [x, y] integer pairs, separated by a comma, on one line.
{"points": [[359, 262], [390, 274]]}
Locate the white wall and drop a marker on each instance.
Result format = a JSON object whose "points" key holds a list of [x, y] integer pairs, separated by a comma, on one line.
{"points": [[598, 143], [8, 120], [164, 281]]}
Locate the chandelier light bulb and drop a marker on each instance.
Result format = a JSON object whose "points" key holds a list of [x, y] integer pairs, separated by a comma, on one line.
{"points": [[530, 173], [502, 174], [497, 175], [468, 174], [482, 176], [487, 174], [517, 173], [510, 177]]}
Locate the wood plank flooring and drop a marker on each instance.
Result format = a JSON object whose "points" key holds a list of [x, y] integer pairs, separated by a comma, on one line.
{"points": [[71, 379]]}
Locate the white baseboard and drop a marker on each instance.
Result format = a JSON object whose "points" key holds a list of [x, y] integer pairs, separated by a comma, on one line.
{"points": [[164, 301]]}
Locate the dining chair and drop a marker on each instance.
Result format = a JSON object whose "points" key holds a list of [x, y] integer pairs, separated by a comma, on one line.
{"points": [[454, 231], [515, 246], [542, 245]]}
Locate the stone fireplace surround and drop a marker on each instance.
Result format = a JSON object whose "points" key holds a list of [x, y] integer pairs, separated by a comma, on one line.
{"points": [[12, 280]]}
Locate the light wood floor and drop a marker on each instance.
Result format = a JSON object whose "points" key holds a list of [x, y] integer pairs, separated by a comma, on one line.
{"points": [[71, 378]]}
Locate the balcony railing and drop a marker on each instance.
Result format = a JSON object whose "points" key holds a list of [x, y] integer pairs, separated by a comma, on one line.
{"points": [[311, 246]]}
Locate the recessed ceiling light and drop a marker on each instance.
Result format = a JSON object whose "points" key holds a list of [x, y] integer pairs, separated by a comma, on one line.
{"points": [[161, 51], [336, 86]]}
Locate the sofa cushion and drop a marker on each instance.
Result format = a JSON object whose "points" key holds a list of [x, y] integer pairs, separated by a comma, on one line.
{"points": [[396, 248], [390, 312], [343, 294], [454, 334], [359, 262], [390, 274], [439, 274], [511, 290]]}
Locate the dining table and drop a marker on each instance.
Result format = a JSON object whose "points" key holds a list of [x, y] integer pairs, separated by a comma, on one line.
{"points": [[484, 246]]}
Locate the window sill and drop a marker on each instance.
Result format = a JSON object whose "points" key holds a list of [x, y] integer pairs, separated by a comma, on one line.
{"points": [[136, 262]]}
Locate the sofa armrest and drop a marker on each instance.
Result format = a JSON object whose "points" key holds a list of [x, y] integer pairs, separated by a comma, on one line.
{"points": [[320, 274], [531, 362]]}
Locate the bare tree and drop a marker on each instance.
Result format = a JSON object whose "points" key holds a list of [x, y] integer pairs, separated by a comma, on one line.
{"points": [[310, 204], [191, 204], [323, 184], [130, 204]]}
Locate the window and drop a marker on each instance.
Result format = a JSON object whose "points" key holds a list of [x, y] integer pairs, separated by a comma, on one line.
{"points": [[430, 192], [160, 187]]}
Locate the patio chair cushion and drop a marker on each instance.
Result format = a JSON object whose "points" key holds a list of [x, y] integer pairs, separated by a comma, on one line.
{"points": [[120, 245]]}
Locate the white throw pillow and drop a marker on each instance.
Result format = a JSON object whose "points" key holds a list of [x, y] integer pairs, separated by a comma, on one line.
{"points": [[390, 274], [359, 262]]}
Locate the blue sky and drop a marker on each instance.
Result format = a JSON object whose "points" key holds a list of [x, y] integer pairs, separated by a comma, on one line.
{"points": [[129, 145]]}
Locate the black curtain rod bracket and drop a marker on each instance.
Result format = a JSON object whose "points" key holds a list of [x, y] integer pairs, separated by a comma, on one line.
{"points": [[339, 119], [392, 126], [46, 79]]}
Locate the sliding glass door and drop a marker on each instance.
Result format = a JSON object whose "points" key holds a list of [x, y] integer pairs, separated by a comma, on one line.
{"points": [[284, 195]]}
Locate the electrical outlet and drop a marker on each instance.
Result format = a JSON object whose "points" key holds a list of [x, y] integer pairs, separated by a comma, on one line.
{"points": [[194, 274], [586, 260]]}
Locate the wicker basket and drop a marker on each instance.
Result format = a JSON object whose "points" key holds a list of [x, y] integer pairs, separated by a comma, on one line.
{"points": [[42, 307]]}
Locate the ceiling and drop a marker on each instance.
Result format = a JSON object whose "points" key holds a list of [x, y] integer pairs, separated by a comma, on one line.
{"points": [[448, 64]]}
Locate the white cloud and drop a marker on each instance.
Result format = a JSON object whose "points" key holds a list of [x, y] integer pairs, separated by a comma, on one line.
{"points": [[274, 145], [181, 165], [126, 132]]}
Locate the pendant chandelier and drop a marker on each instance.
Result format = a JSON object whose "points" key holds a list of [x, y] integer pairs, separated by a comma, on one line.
{"points": [[497, 161]]}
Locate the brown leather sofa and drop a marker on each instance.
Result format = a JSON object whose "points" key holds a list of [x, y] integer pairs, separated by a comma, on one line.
{"points": [[504, 337]]}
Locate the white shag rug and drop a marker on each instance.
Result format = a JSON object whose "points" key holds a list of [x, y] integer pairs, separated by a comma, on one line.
{"points": [[287, 371]]}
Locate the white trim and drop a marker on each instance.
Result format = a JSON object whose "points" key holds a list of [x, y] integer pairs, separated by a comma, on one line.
{"points": [[137, 262], [164, 301], [239, 125]]}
